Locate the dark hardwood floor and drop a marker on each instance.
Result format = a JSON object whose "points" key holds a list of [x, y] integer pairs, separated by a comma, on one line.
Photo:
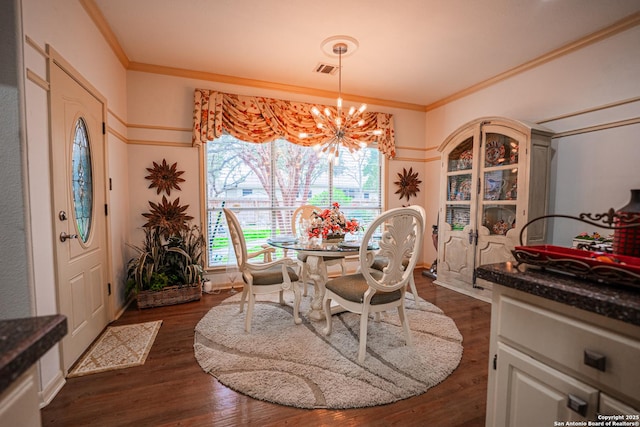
{"points": [[170, 388]]}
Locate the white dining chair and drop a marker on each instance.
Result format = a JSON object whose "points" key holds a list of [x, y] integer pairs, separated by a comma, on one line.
{"points": [[261, 278], [372, 291], [380, 261]]}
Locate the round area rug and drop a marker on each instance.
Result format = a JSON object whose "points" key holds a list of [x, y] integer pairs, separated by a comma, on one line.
{"points": [[296, 365]]}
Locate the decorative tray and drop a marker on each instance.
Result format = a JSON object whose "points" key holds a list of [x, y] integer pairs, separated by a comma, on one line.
{"points": [[591, 265], [599, 266]]}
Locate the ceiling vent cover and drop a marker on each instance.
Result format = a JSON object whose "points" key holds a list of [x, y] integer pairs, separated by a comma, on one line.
{"points": [[326, 69]]}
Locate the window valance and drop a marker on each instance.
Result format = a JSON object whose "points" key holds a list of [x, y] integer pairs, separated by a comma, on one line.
{"points": [[259, 119]]}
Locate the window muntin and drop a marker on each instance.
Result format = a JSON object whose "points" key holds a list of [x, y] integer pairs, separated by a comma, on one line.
{"points": [[280, 176]]}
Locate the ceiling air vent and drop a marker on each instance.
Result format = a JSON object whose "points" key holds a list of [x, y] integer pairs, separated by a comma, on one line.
{"points": [[326, 69]]}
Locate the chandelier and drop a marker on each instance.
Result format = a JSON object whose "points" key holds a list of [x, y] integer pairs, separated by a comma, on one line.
{"points": [[342, 128]]}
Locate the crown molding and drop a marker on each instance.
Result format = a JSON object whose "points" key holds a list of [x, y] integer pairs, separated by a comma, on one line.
{"points": [[262, 84], [622, 25], [96, 15]]}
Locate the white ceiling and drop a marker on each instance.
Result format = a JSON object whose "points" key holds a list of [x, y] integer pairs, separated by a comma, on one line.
{"points": [[410, 51]]}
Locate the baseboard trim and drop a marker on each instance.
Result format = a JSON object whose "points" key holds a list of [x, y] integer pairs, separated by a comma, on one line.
{"points": [[475, 294], [124, 308], [52, 389]]}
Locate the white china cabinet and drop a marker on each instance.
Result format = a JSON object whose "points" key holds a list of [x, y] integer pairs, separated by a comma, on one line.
{"points": [[494, 179]]}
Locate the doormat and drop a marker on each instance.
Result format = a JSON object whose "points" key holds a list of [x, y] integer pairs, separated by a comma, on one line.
{"points": [[118, 347]]}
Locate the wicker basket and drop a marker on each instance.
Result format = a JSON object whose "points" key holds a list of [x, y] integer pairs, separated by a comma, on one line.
{"points": [[169, 296]]}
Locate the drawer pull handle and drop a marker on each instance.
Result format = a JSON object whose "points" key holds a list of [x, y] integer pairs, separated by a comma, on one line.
{"points": [[595, 360], [577, 405]]}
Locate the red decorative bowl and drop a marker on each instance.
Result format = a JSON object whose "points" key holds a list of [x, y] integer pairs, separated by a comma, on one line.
{"points": [[599, 266]]}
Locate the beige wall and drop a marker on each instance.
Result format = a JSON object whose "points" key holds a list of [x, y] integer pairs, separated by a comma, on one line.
{"points": [[591, 171], [160, 119]]}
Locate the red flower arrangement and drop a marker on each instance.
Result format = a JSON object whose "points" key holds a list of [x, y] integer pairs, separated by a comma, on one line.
{"points": [[329, 223]]}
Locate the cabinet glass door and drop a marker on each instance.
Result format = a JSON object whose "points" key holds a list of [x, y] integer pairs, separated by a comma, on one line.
{"points": [[499, 183], [459, 184], [461, 157], [500, 150], [499, 219]]}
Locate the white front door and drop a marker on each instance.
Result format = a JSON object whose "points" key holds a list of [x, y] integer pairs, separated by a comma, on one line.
{"points": [[78, 177]]}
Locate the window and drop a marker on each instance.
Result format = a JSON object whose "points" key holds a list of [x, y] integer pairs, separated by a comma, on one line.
{"points": [[265, 183], [82, 181]]}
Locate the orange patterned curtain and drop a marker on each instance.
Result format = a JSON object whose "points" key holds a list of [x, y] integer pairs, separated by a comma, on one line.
{"points": [[258, 119]]}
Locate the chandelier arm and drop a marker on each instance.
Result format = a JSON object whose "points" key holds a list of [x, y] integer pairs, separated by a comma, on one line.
{"points": [[332, 126], [325, 121], [349, 120], [355, 142], [362, 134]]}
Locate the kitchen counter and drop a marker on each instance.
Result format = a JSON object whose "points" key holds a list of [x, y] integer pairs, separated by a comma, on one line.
{"points": [[24, 341], [561, 348], [616, 302]]}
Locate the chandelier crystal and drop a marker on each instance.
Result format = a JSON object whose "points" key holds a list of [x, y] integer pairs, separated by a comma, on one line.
{"points": [[342, 128]]}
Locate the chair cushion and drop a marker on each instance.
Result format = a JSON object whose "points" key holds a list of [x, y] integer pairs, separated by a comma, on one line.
{"points": [[353, 286], [380, 262], [272, 276]]}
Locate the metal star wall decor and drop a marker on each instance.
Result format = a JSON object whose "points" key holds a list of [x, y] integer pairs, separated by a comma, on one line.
{"points": [[164, 177], [168, 217], [408, 184]]}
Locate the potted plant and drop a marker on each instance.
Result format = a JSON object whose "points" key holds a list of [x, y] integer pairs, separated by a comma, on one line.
{"points": [[168, 268]]}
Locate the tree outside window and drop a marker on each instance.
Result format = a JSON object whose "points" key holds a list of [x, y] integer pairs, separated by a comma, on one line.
{"points": [[264, 183]]}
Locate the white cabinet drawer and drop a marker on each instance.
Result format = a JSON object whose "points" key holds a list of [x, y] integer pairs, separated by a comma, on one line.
{"points": [[564, 340], [536, 395], [610, 406]]}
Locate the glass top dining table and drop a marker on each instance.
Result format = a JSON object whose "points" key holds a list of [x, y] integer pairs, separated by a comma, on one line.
{"points": [[315, 261], [344, 248]]}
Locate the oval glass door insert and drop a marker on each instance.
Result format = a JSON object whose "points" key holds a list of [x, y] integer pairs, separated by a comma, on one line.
{"points": [[82, 180]]}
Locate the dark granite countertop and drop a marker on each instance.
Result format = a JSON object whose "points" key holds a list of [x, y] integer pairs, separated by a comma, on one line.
{"points": [[616, 302], [24, 341]]}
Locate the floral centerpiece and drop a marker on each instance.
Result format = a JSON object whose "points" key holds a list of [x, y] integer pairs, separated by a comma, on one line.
{"points": [[331, 224]]}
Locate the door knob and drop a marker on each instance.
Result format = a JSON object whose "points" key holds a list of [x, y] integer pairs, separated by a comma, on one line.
{"points": [[64, 236]]}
